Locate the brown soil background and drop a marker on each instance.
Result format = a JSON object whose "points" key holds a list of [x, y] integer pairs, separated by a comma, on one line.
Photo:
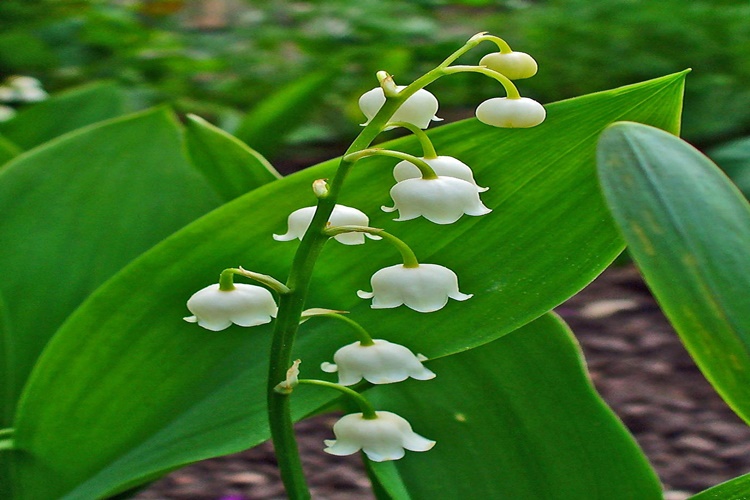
{"points": [[637, 363]]}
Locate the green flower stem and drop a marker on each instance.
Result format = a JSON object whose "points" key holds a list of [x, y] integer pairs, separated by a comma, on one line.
{"points": [[368, 411], [423, 166], [428, 150], [501, 44], [407, 254], [226, 280], [364, 336], [506, 82], [291, 304]]}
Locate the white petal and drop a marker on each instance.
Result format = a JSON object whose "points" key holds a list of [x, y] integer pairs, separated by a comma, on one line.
{"points": [[419, 109], [514, 65], [443, 200], [329, 367], [415, 442]]}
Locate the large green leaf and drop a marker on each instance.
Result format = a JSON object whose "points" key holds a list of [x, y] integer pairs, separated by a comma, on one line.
{"points": [[517, 418], [227, 163], [64, 112], [735, 489], [734, 159], [8, 150], [145, 392], [77, 210], [266, 127], [688, 229]]}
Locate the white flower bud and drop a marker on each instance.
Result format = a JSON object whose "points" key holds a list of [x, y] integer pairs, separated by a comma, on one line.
{"points": [[445, 166], [419, 109], [514, 65], [381, 363], [300, 220], [382, 438], [521, 112], [425, 288], [245, 305], [442, 201]]}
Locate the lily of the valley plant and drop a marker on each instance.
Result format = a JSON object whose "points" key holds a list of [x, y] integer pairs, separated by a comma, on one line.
{"points": [[441, 189]]}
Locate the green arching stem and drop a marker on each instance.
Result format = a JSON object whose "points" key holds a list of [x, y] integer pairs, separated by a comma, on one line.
{"points": [[226, 280], [510, 88], [423, 166], [291, 304], [407, 254], [365, 338], [368, 411], [428, 150], [501, 44]]}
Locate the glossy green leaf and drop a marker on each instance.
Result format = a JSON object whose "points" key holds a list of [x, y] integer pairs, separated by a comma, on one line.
{"points": [[64, 112], [734, 159], [265, 127], [193, 394], [77, 210], [688, 230], [735, 489], [231, 167], [517, 418], [8, 151]]}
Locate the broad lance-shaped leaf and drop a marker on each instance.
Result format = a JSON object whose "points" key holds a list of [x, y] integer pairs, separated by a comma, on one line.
{"points": [[734, 160], [8, 151], [63, 113], [228, 164], [517, 418], [688, 229], [734, 489], [77, 210], [189, 394]]}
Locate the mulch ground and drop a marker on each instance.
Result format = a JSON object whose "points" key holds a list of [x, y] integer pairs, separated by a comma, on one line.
{"points": [[637, 362]]}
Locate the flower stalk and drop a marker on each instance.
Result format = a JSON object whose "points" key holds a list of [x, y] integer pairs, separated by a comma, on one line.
{"points": [[292, 301]]}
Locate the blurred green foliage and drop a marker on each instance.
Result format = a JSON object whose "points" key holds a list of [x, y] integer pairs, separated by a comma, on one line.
{"points": [[221, 58]]}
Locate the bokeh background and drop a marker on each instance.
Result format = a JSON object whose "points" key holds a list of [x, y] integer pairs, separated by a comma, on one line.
{"points": [[221, 59]]}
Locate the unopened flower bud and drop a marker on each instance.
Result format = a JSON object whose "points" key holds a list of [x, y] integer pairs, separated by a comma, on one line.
{"points": [[505, 112], [320, 188], [514, 65]]}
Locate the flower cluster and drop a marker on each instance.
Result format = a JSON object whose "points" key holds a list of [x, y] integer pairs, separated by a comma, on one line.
{"points": [[441, 189]]}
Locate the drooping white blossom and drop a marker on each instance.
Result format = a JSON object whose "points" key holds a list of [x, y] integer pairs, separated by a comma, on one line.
{"points": [[381, 363], [515, 65], [505, 112], [299, 221], [419, 109], [382, 438], [425, 288], [245, 305], [445, 166], [442, 201]]}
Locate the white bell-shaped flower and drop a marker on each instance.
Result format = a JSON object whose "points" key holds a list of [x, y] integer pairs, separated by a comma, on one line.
{"points": [[514, 65], [445, 166], [520, 112], [245, 305], [425, 288], [382, 438], [381, 363], [299, 221], [419, 109], [442, 201]]}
